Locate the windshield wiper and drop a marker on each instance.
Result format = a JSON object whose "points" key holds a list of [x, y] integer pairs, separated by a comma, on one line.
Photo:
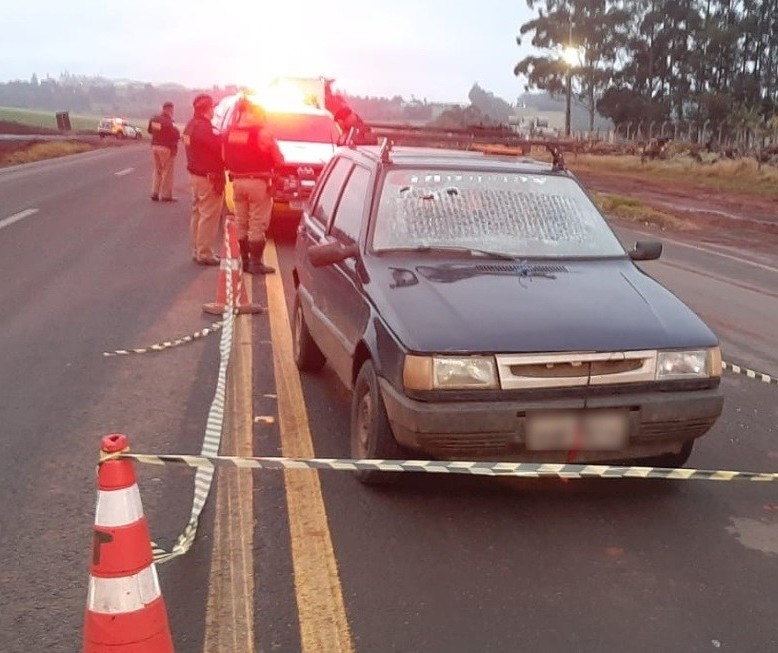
{"points": [[472, 251]]}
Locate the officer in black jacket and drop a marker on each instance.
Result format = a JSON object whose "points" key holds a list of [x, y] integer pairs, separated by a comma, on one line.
{"points": [[206, 173], [164, 147], [250, 155]]}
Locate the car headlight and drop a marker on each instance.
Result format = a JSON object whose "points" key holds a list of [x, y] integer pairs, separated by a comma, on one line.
{"points": [[450, 373], [690, 364]]}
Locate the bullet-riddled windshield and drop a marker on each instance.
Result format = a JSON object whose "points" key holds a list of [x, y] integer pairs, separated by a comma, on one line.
{"points": [[526, 215]]}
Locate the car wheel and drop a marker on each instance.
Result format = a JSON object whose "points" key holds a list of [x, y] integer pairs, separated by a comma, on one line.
{"points": [[102, 136], [670, 460], [120, 135], [371, 434], [307, 355]]}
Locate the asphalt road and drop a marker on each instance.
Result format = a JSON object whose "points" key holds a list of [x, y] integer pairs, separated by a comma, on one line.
{"points": [[434, 564]]}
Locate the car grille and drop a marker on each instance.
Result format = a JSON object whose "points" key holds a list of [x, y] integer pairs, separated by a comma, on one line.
{"points": [[479, 443], [303, 171], [687, 429], [482, 446], [295, 182], [531, 371]]}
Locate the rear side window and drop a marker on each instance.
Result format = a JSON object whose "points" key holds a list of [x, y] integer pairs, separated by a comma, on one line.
{"points": [[328, 198], [348, 217]]}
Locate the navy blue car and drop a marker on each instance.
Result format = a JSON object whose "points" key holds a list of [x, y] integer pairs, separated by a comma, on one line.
{"points": [[479, 307]]}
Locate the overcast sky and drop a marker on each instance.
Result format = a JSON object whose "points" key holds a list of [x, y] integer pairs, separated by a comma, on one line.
{"points": [[429, 48]]}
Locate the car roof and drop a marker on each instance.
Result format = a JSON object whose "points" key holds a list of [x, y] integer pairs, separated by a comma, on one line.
{"points": [[407, 156]]}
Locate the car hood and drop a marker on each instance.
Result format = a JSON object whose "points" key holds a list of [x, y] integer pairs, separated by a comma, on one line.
{"points": [[306, 153], [607, 305]]}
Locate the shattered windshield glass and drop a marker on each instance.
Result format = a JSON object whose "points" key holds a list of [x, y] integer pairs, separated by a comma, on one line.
{"points": [[524, 215]]}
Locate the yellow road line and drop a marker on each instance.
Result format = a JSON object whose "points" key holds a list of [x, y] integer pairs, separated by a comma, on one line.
{"points": [[323, 624], [229, 622]]}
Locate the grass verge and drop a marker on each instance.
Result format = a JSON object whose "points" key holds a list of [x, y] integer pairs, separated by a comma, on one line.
{"points": [[48, 119], [739, 176], [29, 152], [633, 210]]}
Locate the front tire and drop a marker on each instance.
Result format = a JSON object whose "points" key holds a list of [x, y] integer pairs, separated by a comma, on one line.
{"points": [[307, 355], [371, 434]]}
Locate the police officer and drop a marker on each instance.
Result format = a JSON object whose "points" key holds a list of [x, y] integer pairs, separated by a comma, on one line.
{"points": [[352, 126], [250, 155], [164, 146], [206, 174]]}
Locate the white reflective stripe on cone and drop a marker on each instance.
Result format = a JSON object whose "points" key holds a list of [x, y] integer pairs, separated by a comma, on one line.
{"points": [[125, 594], [118, 507]]}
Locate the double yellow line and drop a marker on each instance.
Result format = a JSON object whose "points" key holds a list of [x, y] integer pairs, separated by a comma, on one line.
{"points": [[230, 616]]}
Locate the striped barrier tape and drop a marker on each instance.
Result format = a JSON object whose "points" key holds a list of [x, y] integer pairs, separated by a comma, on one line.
{"points": [[169, 344], [518, 470], [213, 430], [751, 374]]}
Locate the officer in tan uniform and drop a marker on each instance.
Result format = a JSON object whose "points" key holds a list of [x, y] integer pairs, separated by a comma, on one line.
{"points": [[164, 146], [206, 174], [250, 155]]}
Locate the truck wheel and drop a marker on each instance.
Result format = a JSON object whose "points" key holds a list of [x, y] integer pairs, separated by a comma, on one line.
{"points": [[307, 355], [371, 435]]}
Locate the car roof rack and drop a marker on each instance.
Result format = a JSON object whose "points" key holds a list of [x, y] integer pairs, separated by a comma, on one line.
{"points": [[489, 140]]}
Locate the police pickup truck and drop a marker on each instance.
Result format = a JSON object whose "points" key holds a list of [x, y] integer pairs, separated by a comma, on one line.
{"points": [[307, 137]]}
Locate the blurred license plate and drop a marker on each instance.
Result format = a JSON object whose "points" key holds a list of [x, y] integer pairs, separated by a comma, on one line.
{"points": [[296, 205], [595, 430]]}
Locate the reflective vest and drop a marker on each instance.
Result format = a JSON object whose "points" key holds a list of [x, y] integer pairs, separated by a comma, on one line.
{"points": [[245, 153]]}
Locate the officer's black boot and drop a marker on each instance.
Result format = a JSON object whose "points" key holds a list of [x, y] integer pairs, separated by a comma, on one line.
{"points": [[244, 253], [257, 266]]}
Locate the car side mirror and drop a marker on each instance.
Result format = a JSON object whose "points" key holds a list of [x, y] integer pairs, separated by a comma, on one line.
{"points": [[646, 250], [331, 252]]}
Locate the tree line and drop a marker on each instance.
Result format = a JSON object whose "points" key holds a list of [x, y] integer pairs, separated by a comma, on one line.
{"points": [[712, 62], [97, 95]]}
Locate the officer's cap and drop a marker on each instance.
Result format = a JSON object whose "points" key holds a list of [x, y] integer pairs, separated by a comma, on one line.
{"points": [[167, 105]]}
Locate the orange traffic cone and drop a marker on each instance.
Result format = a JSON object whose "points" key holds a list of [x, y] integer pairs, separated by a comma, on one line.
{"points": [[125, 611], [231, 262]]}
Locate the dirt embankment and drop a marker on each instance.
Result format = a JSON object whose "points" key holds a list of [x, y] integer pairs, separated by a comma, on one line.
{"points": [[727, 216], [27, 151], [18, 129], [28, 143]]}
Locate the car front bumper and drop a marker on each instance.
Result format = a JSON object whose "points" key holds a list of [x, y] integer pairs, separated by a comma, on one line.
{"points": [[659, 423], [288, 209]]}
